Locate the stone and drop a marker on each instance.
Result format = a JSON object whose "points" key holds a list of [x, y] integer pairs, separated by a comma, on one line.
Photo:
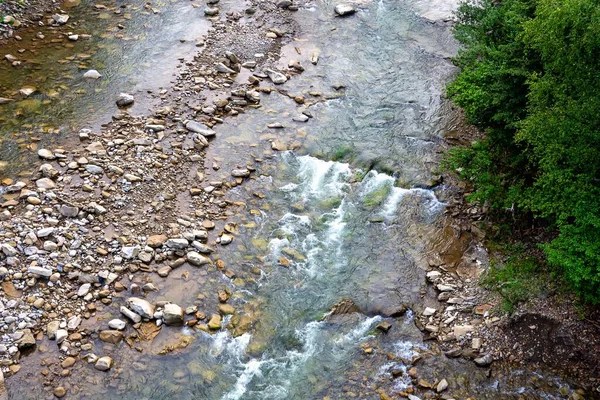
{"points": [[45, 183], [103, 363], [172, 314], [92, 74], [60, 19], [69, 211], [226, 239], [343, 9], [141, 307], [461, 330], [215, 322], [68, 362], [61, 335], [130, 252], [197, 127], [117, 324], [124, 100], [155, 241], [52, 328], [46, 154], [484, 360], [211, 11], [40, 271], [130, 314], [94, 169], [197, 259], [111, 336], [240, 173], [429, 311], [27, 340], [224, 69], [276, 77], [84, 289], [60, 392], [226, 309], [178, 244], [441, 386]]}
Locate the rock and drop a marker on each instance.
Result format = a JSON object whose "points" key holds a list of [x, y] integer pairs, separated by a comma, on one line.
{"points": [[45, 183], [384, 326], [429, 311], [60, 19], [46, 154], [454, 352], [226, 309], [484, 361], [178, 244], [41, 271], [92, 74], [197, 259], [276, 77], [84, 289], [211, 11], [124, 100], [103, 363], [132, 178], [344, 306], [117, 324], [60, 392], [69, 211], [461, 330], [52, 328], [172, 314], [284, 4], [130, 314], [344, 9], [61, 335], [199, 128], [442, 385], [240, 173], [8, 250], [68, 362], [27, 340], [130, 252], [141, 307], [215, 322], [94, 169], [111, 336], [224, 69], [73, 322], [226, 239]]}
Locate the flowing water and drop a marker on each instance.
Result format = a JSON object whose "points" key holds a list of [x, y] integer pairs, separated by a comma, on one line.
{"points": [[316, 231]]}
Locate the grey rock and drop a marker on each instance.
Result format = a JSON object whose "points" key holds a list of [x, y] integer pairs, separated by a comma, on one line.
{"points": [[117, 324], [130, 314], [484, 360], [124, 100], [69, 211], [172, 314], [178, 244], [199, 128], [46, 154], [92, 74], [41, 271], [94, 169], [276, 77], [103, 363], [141, 307], [240, 173], [197, 259], [344, 9]]}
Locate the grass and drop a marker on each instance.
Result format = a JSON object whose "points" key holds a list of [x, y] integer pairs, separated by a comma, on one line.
{"points": [[516, 279], [343, 153]]}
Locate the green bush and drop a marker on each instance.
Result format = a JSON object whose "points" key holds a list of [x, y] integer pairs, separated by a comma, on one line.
{"points": [[530, 81]]}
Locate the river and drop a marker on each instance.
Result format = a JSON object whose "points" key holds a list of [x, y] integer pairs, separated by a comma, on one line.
{"points": [[351, 212]]}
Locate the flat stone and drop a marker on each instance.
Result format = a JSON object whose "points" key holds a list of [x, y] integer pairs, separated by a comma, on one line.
{"points": [[41, 271], [68, 362], [45, 183], [69, 211], [117, 324], [46, 154], [178, 244], [197, 259], [202, 129]]}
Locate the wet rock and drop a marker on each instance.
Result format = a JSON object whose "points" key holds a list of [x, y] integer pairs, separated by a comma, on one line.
{"points": [[124, 100], [199, 128], [344, 9], [68, 362], [215, 322], [111, 336], [240, 173], [103, 363], [141, 307], [197, 259], [344, 306], [92, 74], [226, 309], [384, 326], [46, 154], [226, 239], [172, 314]]}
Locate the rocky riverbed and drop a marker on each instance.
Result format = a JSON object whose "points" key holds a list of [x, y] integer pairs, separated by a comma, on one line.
{"points": [[131, 240]]}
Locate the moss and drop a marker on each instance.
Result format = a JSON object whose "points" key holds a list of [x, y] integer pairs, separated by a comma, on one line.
{"points": [[377, 196]]}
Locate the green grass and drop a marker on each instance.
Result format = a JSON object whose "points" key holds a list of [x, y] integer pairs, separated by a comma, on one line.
{"points": [[517, 279]]}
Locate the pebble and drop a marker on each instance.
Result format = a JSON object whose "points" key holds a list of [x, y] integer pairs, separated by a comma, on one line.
{"points": [[92, 74], [103, 363], [124, 100]]}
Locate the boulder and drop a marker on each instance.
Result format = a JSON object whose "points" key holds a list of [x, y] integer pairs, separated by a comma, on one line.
{"points": [[172, 314], [141, 307]]}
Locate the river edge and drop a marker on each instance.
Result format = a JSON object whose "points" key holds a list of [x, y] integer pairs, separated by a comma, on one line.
{"points": [[133, 123]]}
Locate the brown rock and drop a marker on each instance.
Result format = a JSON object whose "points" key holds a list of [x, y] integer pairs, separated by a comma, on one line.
{"points": [[156, 240], [60, 392], [111, 336], [68, 362]]}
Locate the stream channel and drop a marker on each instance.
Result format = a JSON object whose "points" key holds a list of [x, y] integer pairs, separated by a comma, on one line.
{"points": [[316, 230]]}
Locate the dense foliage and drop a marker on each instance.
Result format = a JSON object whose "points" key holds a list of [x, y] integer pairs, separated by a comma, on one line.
{"points": [[530, 80]]}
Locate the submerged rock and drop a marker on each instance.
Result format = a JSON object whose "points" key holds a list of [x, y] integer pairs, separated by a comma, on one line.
{"points": [[172, 314], [92, 74], [124, 100]]}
